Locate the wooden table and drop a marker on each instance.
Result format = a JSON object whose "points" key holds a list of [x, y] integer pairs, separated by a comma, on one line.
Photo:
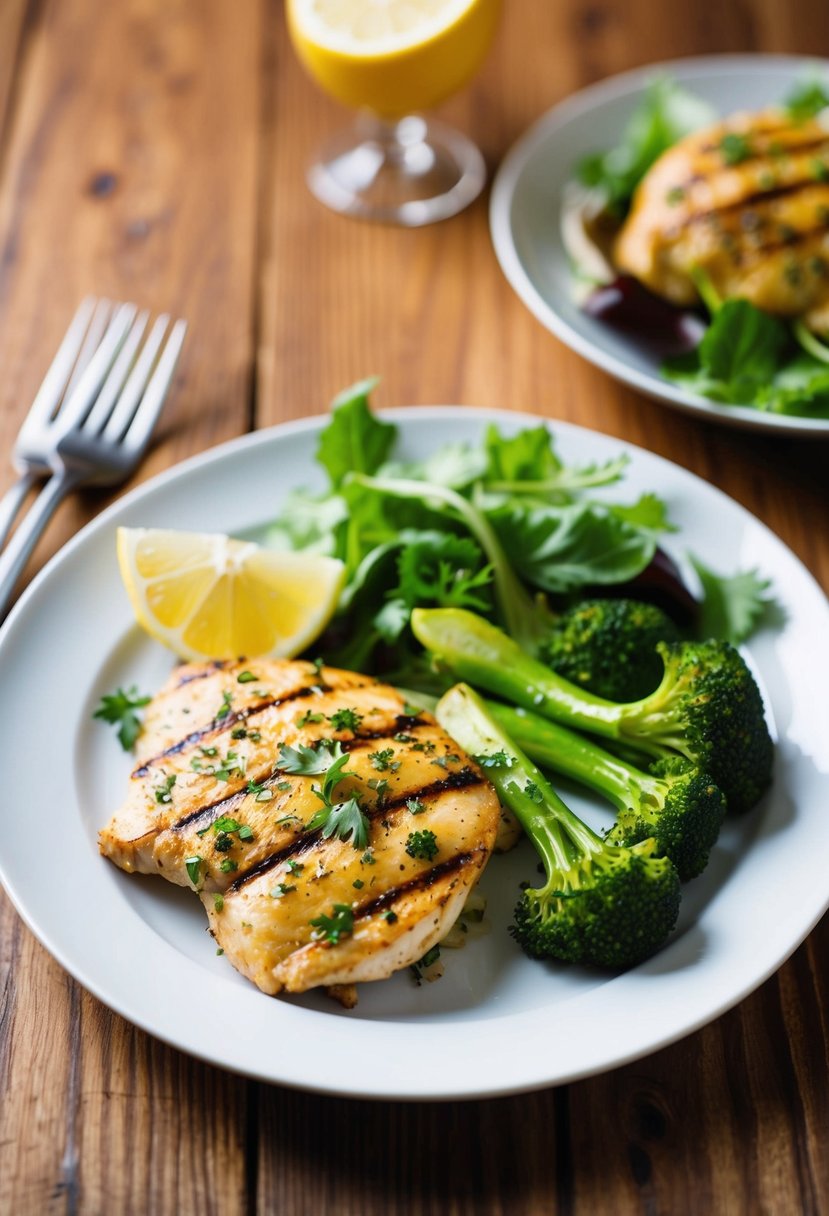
{"points": [[154, 151]]}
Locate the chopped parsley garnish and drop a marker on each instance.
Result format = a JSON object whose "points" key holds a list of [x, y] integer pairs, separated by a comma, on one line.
{"points": [[310, 761], [494, 760], [735, 148], [120, 708], [193, 867], [345, 719], [414, 806], [318, 665], [445, 761], [423, 845], [218, 901], [308, 717], [384, 760], [402, 737], [262, 792], [228, 865], [295, 867], [254, 736], [232, 763], [428, 960], [347, 820], [674, 196], [380, 787], [225, 824], [280, 890], [358, 884], [164, 792], [282, 786], [411, 711], [368, 858], [239, 732], [246, 677], [390, 916], [331, 928], [226, 705], [533, 792]]}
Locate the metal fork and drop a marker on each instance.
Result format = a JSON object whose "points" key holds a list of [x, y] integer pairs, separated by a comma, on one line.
{"points": [[91, 420]]}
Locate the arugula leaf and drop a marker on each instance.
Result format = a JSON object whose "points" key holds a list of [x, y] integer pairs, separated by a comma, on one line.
{"points": [[343, 819], [741, 352], [354, 440], [120, 708], [457, 465], [665, 114], [560, 549], [526, 456], [807, 98], [733, 605]]}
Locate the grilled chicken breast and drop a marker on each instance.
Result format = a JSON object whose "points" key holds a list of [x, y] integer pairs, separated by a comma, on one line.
{"points": [[213, 805], [747, 202]]}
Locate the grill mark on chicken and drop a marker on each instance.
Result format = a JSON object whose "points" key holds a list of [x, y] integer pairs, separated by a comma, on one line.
{"points": [[464, 778], [219, 724], [775, 139], [746, 202], [419, 883], [211, 669]]}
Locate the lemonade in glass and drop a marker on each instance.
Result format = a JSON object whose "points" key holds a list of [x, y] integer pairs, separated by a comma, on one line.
{"points": [[391, 60]]}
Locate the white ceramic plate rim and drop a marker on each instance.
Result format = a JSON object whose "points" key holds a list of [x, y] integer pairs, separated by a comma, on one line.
{"points": [[649, 1007], [534, 142]]}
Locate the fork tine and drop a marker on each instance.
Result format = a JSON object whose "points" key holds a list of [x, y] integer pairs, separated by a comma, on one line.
{"points": [[101, 318], [141, 428], [52, 388], [108, 396], [78, 404]]}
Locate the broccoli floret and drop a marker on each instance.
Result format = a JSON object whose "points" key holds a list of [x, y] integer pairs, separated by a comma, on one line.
{"points": [[608, 646], [674, 802], [707, 707], [603, 904]]}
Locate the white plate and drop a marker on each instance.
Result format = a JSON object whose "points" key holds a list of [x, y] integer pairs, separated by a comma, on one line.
{"points": [[496, 1023], [526, 203]]}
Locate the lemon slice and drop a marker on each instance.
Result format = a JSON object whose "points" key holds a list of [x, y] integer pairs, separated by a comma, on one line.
{"points": [[207, 596], [392, 56]]}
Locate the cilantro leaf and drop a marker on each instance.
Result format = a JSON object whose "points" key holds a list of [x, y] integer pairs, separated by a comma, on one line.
{"points": [[732, 606], [120, 709], [343, 819], [354, 440]]}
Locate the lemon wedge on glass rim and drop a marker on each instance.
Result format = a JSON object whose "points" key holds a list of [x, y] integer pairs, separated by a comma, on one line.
{"points": [[392, 56], [206, 595]]}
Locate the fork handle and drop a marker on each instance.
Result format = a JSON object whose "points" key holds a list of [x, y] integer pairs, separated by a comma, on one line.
{"points": [[12, 501], [19, 549]]}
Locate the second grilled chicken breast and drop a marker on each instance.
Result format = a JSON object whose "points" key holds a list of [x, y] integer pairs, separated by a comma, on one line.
{"points": [[217, 804], [747, 202]]}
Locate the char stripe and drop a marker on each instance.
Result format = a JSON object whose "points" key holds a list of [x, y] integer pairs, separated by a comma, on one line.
{"points": [[426, 879], [211, 669], [219, 724], [755, 199], [463, 779]]}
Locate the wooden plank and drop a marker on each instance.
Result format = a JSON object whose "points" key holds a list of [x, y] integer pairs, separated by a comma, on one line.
{"points": [[12, 21], [104, 193]]}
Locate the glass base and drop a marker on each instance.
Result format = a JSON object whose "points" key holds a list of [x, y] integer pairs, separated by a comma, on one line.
{"points": [[411, 172]]}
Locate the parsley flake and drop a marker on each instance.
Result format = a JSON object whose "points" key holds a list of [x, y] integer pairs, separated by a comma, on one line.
{"points": [[193, 867], [119, 709], [346, 719], [331, 928], [226, 705], [423, 845]]}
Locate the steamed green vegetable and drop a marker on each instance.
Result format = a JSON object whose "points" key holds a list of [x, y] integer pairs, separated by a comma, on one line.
{"points": [[603, 904]]}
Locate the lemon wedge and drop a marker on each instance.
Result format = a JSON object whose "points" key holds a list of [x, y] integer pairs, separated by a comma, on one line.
{"points": [[207, 596], [392, 56]]}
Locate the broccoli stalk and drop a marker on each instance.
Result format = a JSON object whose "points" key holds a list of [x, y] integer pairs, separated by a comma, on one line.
{"points": [[675, 803], [603, 904], [526, 619], [707, 707]]}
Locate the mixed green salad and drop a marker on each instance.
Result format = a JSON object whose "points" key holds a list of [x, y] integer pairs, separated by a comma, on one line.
{"points": [[746, 356]]}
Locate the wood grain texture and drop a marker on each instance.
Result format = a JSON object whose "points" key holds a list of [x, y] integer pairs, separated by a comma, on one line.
{"points": [[157, 151], [102, 193]]}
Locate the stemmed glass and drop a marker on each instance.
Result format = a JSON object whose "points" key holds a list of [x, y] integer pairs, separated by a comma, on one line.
{"points": [[391, 60]]}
